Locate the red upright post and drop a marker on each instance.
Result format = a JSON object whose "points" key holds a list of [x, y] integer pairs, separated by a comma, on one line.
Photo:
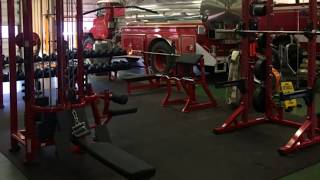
{"points": [[244, 61], [232, 123], [80, 66], [312, 53], [268, 54], [31, 140], [306, 135], [60, 50], [12, 72]]}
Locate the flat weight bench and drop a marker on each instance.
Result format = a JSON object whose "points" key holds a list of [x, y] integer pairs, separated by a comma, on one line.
{"points": [[113, 157], [152, 78], [185, 76]]}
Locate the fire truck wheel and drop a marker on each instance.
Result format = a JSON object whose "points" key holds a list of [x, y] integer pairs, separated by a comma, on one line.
{"points": [[159, 63]]}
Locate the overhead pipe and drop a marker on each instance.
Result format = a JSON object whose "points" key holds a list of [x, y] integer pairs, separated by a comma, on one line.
{"points": [[110, 7]]}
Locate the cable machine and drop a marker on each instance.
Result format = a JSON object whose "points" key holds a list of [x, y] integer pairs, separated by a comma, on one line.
{"points": [[67, 97]]}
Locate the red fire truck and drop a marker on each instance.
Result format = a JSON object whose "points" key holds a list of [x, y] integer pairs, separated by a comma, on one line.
{"points": [[200, 36]]}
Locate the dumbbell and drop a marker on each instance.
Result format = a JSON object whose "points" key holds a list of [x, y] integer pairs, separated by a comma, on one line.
{"points": [[20, 75], [52, 57], [38, 59], [46, 72], [53, 72], [5, 77], [85, 53], [45, 57], [6, 60], [38, 73], [91, 54], [72, 55], [86, 66], [91, 68], [3, 61], [99, 68], [19, 59], [95, 54]]}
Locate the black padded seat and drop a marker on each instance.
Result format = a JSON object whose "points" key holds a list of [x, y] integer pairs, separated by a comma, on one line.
{"points": [[113, 157], [189, 58], [120, 161]]}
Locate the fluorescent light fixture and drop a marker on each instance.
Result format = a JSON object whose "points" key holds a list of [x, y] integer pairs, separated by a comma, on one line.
{"points": [[108, 1]]}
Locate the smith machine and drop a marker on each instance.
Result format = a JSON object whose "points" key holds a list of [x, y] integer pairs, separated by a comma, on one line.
{"points": [[308, 131], [67, 97]]}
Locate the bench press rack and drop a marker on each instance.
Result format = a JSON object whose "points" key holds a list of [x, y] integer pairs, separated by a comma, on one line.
{"points": [[184, 77], [308, 132]]}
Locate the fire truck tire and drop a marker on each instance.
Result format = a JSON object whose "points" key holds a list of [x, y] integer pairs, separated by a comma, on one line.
{"points": [[161, 64]]}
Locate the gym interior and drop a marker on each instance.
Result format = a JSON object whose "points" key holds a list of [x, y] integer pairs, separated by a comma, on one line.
{"points": [[159, 89]]}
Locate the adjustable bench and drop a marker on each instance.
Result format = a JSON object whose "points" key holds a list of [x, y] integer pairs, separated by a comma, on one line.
{"points": [[185, 76], [113, 157]]}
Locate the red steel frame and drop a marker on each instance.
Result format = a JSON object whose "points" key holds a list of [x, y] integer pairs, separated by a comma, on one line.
{"points": [[189, 86], [27, 136], [307, 133], [13, 78]]}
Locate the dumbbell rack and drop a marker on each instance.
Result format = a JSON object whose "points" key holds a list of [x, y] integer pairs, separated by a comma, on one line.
{"points": [[308, 131]]}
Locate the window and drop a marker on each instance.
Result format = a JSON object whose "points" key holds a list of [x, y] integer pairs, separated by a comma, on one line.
{"points": [[5, 31]]}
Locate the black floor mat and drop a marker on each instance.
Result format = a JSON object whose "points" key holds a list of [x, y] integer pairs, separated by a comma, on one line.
{"points": [[180, 145]]}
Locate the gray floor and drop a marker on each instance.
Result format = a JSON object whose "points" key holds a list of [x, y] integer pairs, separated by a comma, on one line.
{"points": [[8, 171]]}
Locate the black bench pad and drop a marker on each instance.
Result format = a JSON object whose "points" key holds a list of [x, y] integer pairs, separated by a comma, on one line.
{"points": [[113, 157], [120, 161], [189, 58], [140, 77]]}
